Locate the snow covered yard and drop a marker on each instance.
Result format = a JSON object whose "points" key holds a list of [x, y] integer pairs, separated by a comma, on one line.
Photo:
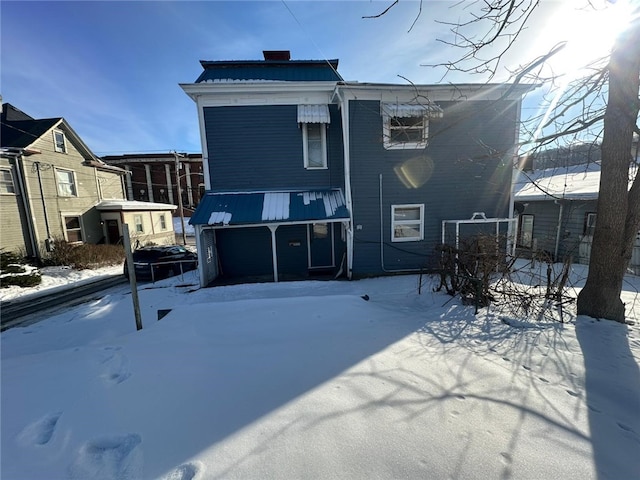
{"points": [[309, 380]]}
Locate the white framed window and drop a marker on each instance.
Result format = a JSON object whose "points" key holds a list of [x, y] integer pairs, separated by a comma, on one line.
{"points": [[6, 182], [59, 142], [405, 131], [137, 220], [407, 223], [314, 144], [66, 183], [590, 223], [72, 228], [525, 235], [163, 222]]}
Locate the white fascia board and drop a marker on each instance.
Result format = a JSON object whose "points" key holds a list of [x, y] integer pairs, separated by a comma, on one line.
{"points": [[209, 94], [435, 93]]}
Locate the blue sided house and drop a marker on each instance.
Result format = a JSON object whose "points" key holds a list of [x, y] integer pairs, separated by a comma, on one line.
{"points": [[307, 174]]}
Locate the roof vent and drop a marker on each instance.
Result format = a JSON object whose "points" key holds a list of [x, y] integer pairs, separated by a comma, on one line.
{"points": [[277, 55]]}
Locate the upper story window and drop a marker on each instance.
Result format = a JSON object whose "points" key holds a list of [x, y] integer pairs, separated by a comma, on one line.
{"points": [[59, 141], [407, 223], [6, 182], [66, 183], [314, 120], [407, 125]]}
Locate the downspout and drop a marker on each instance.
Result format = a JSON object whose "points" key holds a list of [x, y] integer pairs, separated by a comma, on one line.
{"points": [[28, 208], [401, 270], [274, 252], [555, 253], [344, 111], [44, 208], [515, 172]]}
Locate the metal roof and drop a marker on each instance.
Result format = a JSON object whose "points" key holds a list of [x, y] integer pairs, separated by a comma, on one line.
{"points": [[274, 70], [313, 114], [261, 208]]}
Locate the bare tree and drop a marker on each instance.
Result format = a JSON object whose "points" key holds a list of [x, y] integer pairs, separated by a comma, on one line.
{"points": [[603, 104]]}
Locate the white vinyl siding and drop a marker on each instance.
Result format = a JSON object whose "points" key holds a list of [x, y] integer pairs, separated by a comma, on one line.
{"points": [[407, 223]]}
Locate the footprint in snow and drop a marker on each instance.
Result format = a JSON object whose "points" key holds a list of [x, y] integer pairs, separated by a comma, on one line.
{"points": [[115, 457], [117, 368], [186, 471], [41, 431], [572, 393]]}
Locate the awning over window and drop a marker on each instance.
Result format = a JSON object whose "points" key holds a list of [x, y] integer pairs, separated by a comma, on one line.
{"points": [[411, 110], [313, 114], [261, 208]]}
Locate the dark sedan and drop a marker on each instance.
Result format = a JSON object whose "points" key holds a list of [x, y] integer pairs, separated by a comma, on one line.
{"points": [[161, 261]]}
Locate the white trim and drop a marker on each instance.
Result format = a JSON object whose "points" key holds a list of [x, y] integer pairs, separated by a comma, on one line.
{"points": [[394, 145], [13, 184], [135, 223], [64, 148], [75, 182], [305, 146], [419, 222], [64, 226]]}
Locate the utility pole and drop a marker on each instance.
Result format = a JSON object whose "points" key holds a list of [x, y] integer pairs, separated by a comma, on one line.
{"points": [[176, 155], [126, 240]]}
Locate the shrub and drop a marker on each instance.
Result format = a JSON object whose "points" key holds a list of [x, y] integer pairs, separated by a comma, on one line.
{"points": [[27, 280], [85, 255]]}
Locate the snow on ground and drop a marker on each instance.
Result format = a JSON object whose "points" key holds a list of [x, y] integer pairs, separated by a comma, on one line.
{"points": [[309, 380]]}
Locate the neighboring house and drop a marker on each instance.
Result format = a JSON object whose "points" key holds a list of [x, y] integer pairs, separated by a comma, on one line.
{"points": [[152, 178], [557, 212], [50, 186], [305, 172]]}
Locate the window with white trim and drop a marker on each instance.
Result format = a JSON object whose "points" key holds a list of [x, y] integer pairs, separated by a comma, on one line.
{"points": [[137, 220], [59, 142], [314, 144], [590, 223], [407, 223], [72, 228], [6, 182], [406, 125], [66, 183], [163, 222], [405, 132]]}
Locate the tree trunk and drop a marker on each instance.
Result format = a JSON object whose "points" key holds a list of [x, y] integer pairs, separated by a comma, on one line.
{"points": [[618, 209]]}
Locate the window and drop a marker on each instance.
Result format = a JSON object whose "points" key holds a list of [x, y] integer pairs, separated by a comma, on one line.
{"points": [[589, 223], [59, 141], [407, 223], [406, 125], [525, 234], [66, 183], [163, 222], [72, 228], [137, 219], [6, 181], [406, 132], [314, 144]]}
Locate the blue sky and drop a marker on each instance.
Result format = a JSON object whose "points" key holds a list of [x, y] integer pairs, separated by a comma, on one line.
{"points": [[113, 69]]}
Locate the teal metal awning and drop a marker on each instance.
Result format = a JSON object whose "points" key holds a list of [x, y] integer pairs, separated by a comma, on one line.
{"points": [[268, 208]]}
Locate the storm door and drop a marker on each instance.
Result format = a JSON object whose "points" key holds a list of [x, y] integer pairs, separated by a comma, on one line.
{"points": [[320, 238]]}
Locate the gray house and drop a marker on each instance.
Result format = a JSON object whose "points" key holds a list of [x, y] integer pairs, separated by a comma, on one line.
{"points": [[557, 212], [306, 173]]}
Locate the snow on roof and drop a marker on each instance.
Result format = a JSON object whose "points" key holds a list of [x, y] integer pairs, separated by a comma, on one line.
{"points": [[578, 182], [132, 205]]}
